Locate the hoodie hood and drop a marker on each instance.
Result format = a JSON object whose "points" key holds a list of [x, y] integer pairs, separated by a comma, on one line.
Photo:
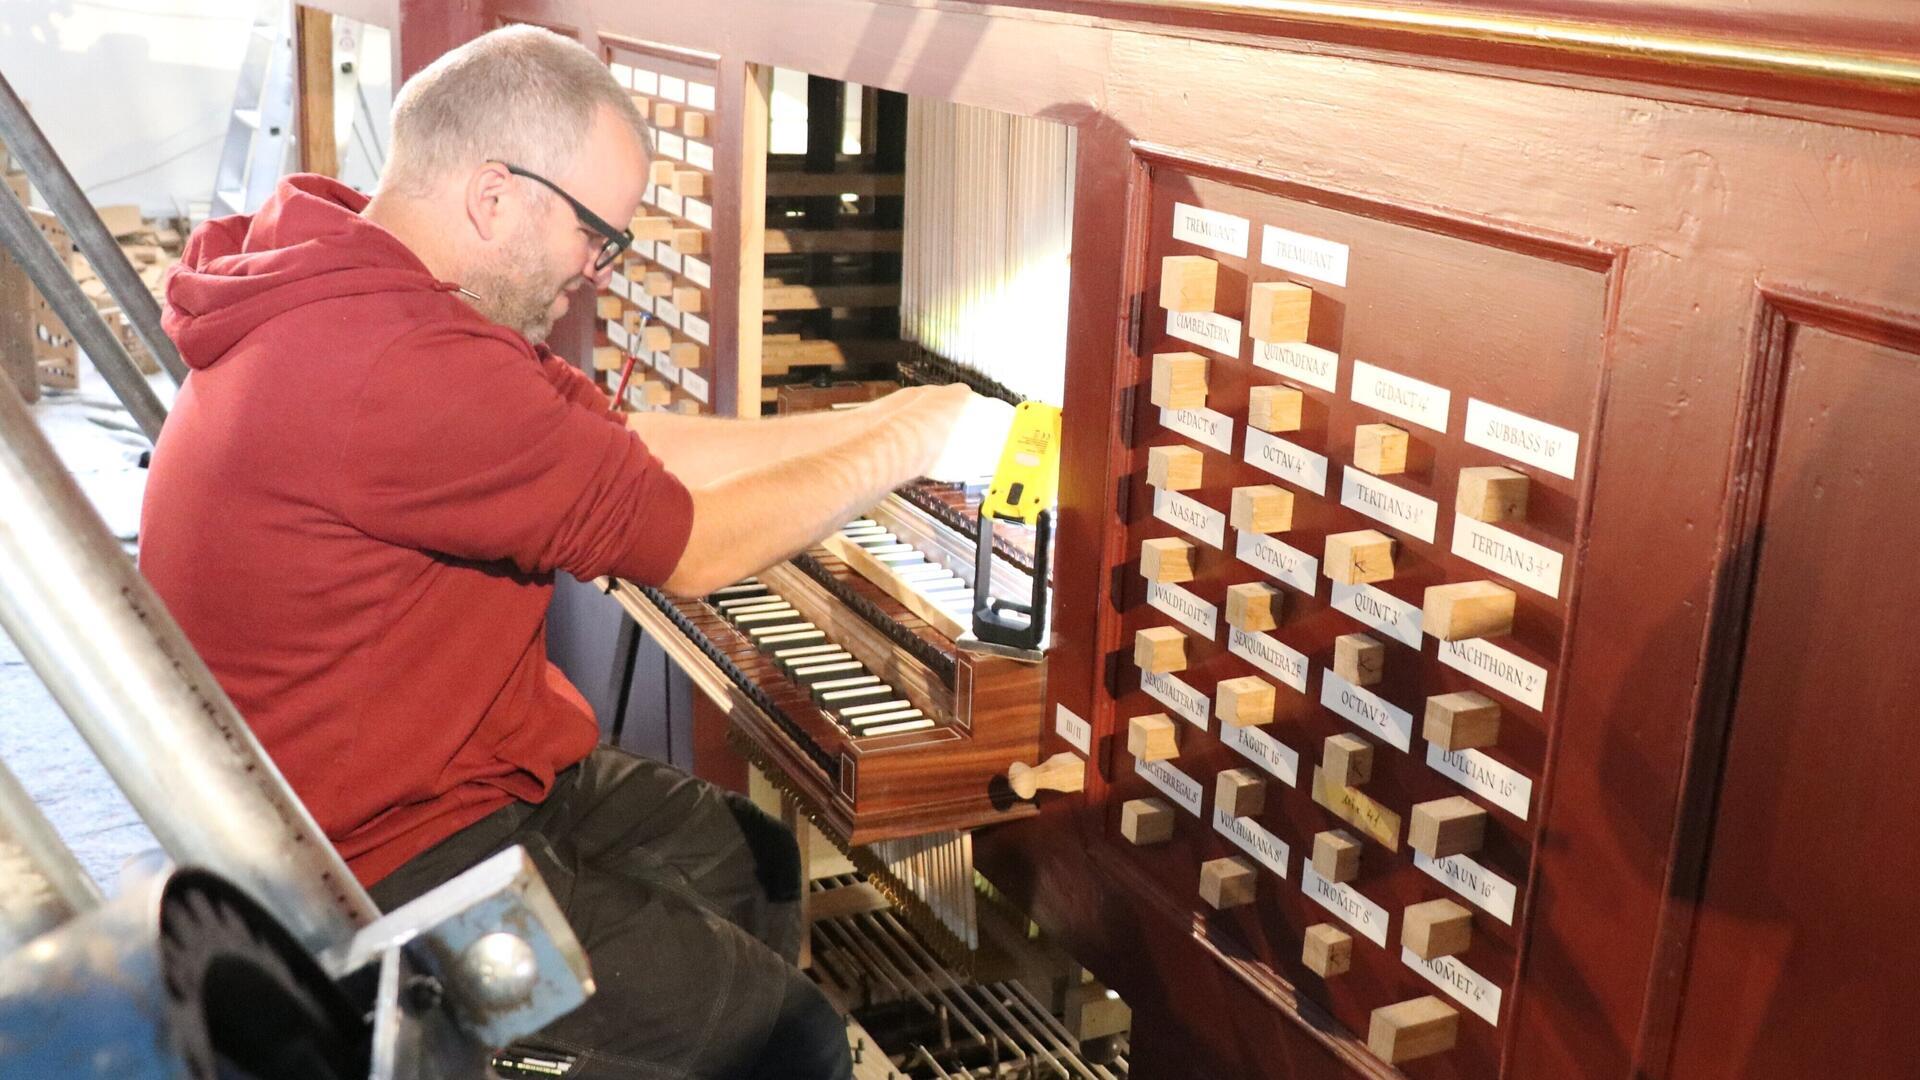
{"points": [[307, 244]]}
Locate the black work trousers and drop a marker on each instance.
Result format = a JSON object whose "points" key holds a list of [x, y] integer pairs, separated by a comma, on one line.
{"points": [[687, 899]]}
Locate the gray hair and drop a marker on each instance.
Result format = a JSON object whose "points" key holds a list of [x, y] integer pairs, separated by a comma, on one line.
{"points": [[519, 94]]}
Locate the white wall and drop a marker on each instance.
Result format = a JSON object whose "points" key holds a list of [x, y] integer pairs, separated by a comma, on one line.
{"points": [[134, 94]]}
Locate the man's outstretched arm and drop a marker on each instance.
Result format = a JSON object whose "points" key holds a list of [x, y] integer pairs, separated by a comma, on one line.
{"points": [[703, 449], [774, 505]]}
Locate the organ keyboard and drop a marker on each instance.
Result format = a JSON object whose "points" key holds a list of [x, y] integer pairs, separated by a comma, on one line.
{"points": [[843, 677]]}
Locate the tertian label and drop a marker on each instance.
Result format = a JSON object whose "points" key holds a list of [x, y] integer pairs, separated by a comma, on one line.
{"points": [[1516, 557], [1389, 504]]}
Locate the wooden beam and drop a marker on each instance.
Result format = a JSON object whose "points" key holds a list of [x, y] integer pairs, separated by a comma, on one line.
{"points": [[798, 184], [831, 241], [313, 33], [780, 357], [816, 297], [752, 261]]}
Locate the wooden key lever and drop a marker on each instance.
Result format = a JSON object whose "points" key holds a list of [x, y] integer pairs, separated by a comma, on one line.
{"points": [[1063, 771]]}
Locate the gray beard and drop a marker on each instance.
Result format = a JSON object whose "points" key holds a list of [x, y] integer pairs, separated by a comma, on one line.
{"points": [[515, 298]]}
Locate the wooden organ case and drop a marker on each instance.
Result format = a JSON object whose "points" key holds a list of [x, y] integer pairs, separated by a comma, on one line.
{"points": [[1487, 429]]}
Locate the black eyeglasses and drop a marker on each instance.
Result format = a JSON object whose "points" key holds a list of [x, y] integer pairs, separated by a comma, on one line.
{"points": [[617, 240]]}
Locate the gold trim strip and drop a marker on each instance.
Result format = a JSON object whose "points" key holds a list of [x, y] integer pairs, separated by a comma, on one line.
{"points": [[1880, 71]]}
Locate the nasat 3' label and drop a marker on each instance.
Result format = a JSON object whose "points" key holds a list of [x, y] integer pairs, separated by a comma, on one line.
{"points": [[1461, 983], [1204, 426], [1254, 839], [1499, 784], [1176, 694], [1483, 888], [1207, 330], [1211, 229], [1271, 655], [1515, 557], [1389, 504], [1282, 561], [1522, 438], [1353, 909], [1174, 784], [1192, 612], [1381, 610], [1265, 751], [1190, 516], [1519, 679], [1317, 367], [1369, 711], [1296, 465], [1402, 396], [1077, 732]]}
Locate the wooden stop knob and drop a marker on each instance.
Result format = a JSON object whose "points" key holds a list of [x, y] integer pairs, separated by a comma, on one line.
{"points": [[1061, 772]]}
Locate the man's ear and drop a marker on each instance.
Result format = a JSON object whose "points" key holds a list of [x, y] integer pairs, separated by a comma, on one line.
{"points": [[486, 200]]}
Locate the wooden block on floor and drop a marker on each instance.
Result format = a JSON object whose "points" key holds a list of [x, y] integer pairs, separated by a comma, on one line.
{"points": [[1436, 928], [1278, 311], [656, 338], [1347, 760], [689, 241], [608, 357], [1454, 825], [1174, 468], [660, 174], [1262, 508], [685, 354], [1412, 1029], [1240, 792], [1146, 821], [666, 114], [1160, 649], [689, 299], [689, 183], [1336, 855], [1166, 560], [1187, 282], [1492, 493], [1179, 380], [1153, 737], [1381, 449], [694, 124], [1327, 950], [1353, 558], [1359, 659], [1227, 883], [1244, 702], [1274, 408], [1461, 721], [1468, 609], [1253, 607]]}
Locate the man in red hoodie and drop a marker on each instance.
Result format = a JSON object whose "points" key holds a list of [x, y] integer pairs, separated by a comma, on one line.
{"points": [[359, 501]]}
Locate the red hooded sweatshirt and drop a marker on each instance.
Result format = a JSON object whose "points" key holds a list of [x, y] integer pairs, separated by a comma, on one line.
{"points": [[355, 512]]}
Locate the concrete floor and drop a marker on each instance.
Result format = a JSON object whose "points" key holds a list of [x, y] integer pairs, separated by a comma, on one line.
{"points": [[38, 743]]}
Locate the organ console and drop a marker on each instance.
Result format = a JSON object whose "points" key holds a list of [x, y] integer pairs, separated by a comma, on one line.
{"points": [[1544, 373]]}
